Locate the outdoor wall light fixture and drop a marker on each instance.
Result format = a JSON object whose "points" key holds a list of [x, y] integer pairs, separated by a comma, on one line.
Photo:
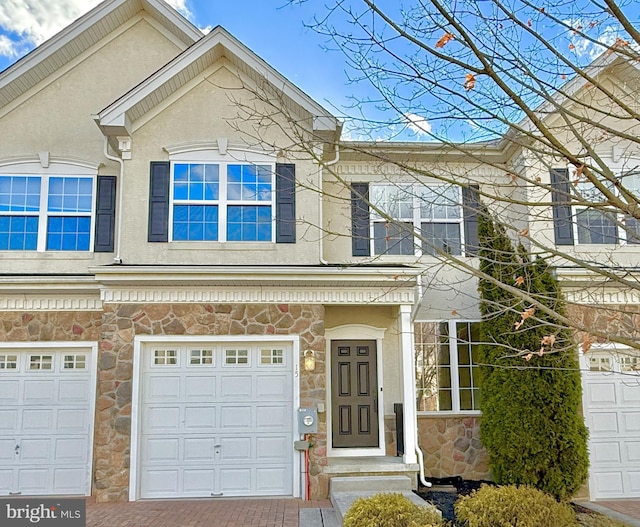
{"points": [[309, 360]]}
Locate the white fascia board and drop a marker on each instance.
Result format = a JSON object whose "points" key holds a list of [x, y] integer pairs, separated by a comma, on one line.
{"points": [[82, 24], [48, 284], [170, 14], [395, 275], [219, 36]]}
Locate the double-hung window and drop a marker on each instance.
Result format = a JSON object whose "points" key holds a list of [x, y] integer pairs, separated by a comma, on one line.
{"points": [[446, 358], [416, 219], [592, 222], [222, 202], [46, 212]]}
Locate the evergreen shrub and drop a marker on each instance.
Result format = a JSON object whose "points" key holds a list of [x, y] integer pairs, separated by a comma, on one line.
{"points": [[512, 506], [391, 510]]}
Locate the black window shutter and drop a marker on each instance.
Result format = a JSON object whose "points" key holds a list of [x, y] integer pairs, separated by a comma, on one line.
{"points": [[561, 199], [159, 202], [105, 214], [470, 209], [285, 203], [360, 244]]}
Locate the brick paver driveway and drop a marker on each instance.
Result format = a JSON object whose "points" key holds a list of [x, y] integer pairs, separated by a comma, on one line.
{"points": [[200, 513]]}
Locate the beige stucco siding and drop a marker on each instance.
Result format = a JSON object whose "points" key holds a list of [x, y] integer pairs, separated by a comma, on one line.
{"points": [[205, 111], [57, 118]]}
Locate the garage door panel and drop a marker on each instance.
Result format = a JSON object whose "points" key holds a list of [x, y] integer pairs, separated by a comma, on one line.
{"points": [[608, 483], [236, 481], [631, 420], [70, 449], [9, 390], [73, 391], [162, 389], [606, 452], [235, 448], [6, 481], [634, 482], [34, 480], [630, 393], [69, 480], [199, 481], [632, 449], [7, 449], [235, 417], [273, 449], [201, 418], [276, 417], [236, 387], [165, 449], [272, 480], [604, 422], [8, 420], [39, 390], [199, 449], [162, 418], [272, 387], [200, 388], [37, 419], [161, 482], [601, 393], [72, 420], [35, 450]]}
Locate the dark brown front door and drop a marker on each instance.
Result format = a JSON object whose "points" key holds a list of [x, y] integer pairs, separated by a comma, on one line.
{"points": [[354, 394]]}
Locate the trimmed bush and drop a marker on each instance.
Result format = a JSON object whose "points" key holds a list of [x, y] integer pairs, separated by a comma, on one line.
{"points": [[511, 506], [391, 510], [531, 424]]}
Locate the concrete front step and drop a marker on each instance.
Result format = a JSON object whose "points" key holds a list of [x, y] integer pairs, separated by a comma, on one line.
{"points": [[343, 491], [370, 483]]}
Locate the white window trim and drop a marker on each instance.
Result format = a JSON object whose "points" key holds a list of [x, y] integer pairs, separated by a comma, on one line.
{"points": [[453, 365], [222, 154], [24, 167], [416, 220]]}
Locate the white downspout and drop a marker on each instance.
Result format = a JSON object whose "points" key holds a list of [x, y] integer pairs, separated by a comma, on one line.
{"points": [[117, 259], [320, 215]]}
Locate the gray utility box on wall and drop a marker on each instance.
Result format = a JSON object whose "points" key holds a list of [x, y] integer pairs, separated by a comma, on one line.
{"points": [[307, 420]]}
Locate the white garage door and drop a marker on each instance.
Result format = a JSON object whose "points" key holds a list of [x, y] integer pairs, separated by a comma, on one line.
{"points": [[216, 421], [612, 412], [45, 421]]}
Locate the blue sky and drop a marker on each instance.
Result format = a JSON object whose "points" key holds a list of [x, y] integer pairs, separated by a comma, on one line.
{"points": [[273, 29], [277, 30]]}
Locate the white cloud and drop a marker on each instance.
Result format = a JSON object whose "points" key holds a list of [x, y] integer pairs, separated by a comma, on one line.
{"points": [[8, 48], [34, 21], [588, 49], [417, 124]]}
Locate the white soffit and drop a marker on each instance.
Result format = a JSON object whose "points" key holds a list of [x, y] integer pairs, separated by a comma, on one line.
{"points": [[118, 116], [85, 32]]}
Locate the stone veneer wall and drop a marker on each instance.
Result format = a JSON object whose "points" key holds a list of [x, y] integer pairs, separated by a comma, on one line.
{"points": [[122, 322], [50, 326], [452, 447]]}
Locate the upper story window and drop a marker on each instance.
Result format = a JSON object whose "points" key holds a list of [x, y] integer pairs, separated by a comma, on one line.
{"points": [[447, 377], [580, 212], [426, 219], [221, 191], [222, 202], [46, 212]]}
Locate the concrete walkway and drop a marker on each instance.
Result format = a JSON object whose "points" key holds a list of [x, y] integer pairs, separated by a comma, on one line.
{"points": [[201, 513], [627, 511]]}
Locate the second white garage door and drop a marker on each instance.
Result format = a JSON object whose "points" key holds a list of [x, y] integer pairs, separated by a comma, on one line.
{"points": [[216, 420]]}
